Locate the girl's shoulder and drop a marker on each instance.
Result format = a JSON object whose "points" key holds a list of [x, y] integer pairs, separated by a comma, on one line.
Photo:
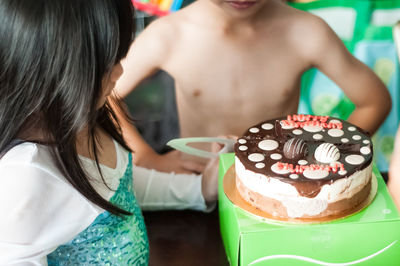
{"points": [[28, 154], [28, 172], [29, 175], [24, 150], [39, 209]]}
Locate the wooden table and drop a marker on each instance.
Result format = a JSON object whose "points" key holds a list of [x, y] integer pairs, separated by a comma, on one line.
{"points": [[186, 238]]}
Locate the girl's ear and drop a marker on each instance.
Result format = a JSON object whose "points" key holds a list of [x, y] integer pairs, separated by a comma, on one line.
{"points": [[116, 72]]}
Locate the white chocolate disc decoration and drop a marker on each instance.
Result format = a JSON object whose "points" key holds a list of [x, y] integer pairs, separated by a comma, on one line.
{"points": [[317, 136], [365, 150], [243, 148], [356, 137], [275, 168], [294, 176], [302, 162], [345, 140], [342, 172], [327, 153], [254, 130], [242, 141], [285, 126], [276, 156], [366, 141], [354, 159], [260, 165], [351, 128], [256, 157], [335, 121], [312, 129], [267, 126], [334, 132], [297, 132], [268, 144], [315, 174]]}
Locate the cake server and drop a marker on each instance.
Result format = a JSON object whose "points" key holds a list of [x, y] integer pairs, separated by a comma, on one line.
{"points": [[180, 144]]}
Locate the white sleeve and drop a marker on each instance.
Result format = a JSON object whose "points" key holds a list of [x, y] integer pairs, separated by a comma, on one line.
{"points": [[38, 213], [159, 191]]}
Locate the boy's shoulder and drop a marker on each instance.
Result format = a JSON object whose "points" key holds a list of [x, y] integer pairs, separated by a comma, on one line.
{"points": [[302, 20], [165, 29], [164, 33], [306, 29], [191, 17], [172, 21]]}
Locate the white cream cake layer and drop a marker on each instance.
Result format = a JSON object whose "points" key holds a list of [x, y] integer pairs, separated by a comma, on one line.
{"points": [[296, 205]]}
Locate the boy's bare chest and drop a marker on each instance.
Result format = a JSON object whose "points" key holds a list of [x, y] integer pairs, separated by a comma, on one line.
{"points": [[233, 85], [237, 64], [249, 71]]}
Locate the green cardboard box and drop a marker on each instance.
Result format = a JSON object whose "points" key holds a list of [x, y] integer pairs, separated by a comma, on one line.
{"points": [[369, 237]]}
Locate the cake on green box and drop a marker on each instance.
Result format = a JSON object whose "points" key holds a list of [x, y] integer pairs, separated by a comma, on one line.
{"points": [[301, 192]]}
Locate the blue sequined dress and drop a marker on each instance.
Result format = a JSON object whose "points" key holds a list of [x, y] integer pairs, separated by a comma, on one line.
{"points": [[110, 240]]}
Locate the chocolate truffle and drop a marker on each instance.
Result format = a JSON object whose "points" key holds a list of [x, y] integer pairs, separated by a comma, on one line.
{"points": [[295, 148]]}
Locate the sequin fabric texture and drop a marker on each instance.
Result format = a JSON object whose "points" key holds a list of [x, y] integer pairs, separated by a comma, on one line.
{"points": [[109, 240]]}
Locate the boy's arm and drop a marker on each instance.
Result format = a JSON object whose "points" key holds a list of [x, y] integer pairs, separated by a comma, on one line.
{"points": [[146, 56], [145, 156], [358, 81]]}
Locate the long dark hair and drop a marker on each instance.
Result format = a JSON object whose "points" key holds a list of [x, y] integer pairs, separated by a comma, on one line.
{"points": [[53, 57]]}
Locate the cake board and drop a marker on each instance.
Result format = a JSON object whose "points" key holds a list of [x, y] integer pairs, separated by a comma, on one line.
{"points": [[369, 237]]}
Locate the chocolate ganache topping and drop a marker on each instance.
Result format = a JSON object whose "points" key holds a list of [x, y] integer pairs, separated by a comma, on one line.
{"points": [[304, 150]]}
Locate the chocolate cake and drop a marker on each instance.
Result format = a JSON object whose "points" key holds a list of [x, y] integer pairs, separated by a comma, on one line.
{"points": [[304, 166]]}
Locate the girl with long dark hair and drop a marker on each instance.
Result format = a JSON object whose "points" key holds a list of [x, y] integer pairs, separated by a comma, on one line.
{"points": [[69, 193]]}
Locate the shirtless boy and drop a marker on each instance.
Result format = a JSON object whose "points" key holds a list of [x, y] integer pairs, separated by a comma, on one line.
{"points": [[236, 63]]}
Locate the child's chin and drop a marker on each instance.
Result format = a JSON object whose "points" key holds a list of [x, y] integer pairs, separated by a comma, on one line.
{"points": [[242, 11]]}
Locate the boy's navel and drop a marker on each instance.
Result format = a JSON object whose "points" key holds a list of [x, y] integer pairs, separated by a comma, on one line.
{"points": [[196, 93]]}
